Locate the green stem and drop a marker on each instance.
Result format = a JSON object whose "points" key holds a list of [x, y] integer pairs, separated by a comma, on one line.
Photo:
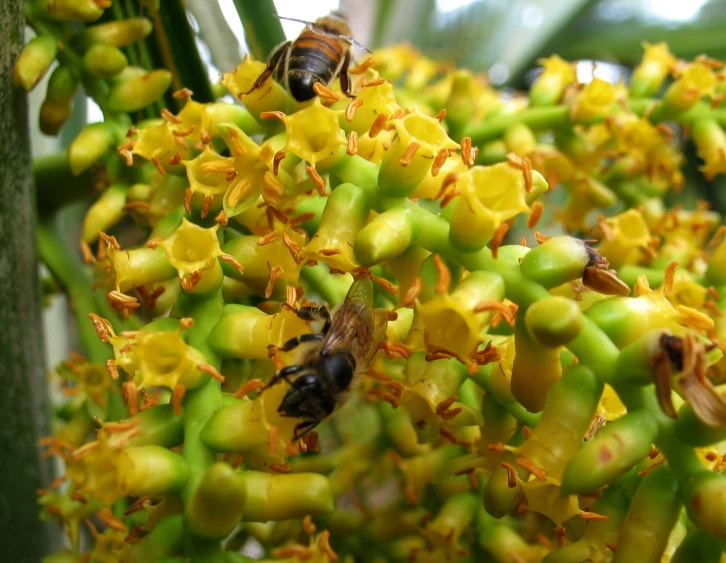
{"points": [[534, 118], [263, 30]]}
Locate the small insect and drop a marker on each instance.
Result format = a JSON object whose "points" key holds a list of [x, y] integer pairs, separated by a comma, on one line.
{"points": [[331, 361], [316, 57]]}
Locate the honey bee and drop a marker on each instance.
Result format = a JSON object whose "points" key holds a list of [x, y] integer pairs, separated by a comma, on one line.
{"points": [[331, 361], [317, 56]]}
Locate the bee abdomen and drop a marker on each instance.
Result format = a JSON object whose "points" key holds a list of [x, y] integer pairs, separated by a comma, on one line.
{"points": [[312, 60]]}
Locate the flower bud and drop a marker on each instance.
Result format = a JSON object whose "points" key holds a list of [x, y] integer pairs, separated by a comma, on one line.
{"points": [[216, 504], [593, 101], [410, 156], [536, 368], [81, 10], [386, 236], [107, 210], [137, 93], [453, 518], [649, 75], [247, 332], [218, 113], [710, 140], [285, 496], [491, 196], [652, 514], [556, 76], [693, 431], [104, 61], [58, 103], [151, 470], [345, 214], [626, 236], [554, 321], [462, 100], [119, 33], [557, 438], [449, 319], [164, 541], [556, 261], [520, 139], [90, 145], [34, 61], [615, 449], [694, 82], [698, 546], [705, 494], [134, 268]]}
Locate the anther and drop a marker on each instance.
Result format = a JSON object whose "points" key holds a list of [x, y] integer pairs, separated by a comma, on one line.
{"points": [[511, 474], [188, 201], [352, 107], [206, 368], [229, 259], [498, 238], [439, 161], [361, 68], [275, 274], [377, 125], [317, 179], [279, 157], [410, 153], [352, 147], [325, 93]]}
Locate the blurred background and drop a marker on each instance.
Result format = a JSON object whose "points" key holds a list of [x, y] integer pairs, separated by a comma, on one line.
{"points": [[502, 38]]}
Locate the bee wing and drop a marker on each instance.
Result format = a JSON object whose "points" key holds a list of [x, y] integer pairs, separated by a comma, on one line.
{"points": [[358, 327]]}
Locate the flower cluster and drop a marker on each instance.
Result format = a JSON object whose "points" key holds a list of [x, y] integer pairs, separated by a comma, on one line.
{"points": [[535, 397]]}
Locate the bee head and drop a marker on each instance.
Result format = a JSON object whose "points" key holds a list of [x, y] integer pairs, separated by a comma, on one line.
{"points": [[308, 398]]}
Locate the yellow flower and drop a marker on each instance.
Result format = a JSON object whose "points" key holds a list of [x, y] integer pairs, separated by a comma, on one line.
{"points": [[636, 137], [594, 100], [710, 140], [556, 75], [449, 319], [395, 60], [271, 96], [110, 547], [652, 70], [491, 196], [163, 359], [586, 194], [696, 81], [410, 157], [158, 144], [625, 237], [377, 100], [314, 134]]}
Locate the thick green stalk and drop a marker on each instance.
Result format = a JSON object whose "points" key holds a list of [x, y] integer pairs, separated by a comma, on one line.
{"points": [[55, 184], [24, 408], [263, 31]]}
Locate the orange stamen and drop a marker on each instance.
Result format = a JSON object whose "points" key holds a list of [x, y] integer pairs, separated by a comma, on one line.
{"points": [[206, 368]]}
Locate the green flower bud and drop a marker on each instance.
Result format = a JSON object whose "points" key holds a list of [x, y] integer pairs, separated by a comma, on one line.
{"points": [[215, 507], [119, 33], [693, 431], [556, 261], [652, 514], [135, 267], [105, 212], [386, 236], [81, 10], [694, 82], [536, 368], [137, 93], [58, 104], [452, 520], [164, 541], [34, 61], [285, 496], [151, 470], [499, 498], [461, 102], [698, 546], [104, 61], [554, 321], [90, 145], [614, 450], [635, 361], [568, 411], [345, 214], [716, 272], [159, 427], [705, 495]]}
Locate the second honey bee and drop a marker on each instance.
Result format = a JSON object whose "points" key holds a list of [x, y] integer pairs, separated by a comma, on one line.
{"points": [[330, 362], [314, 59]]}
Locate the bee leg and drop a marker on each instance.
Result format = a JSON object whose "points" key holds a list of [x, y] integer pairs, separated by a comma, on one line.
{"points": [[316, 314], [277, 55], [345, 83], [284, 373], [303, 428], [295, 342]]}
